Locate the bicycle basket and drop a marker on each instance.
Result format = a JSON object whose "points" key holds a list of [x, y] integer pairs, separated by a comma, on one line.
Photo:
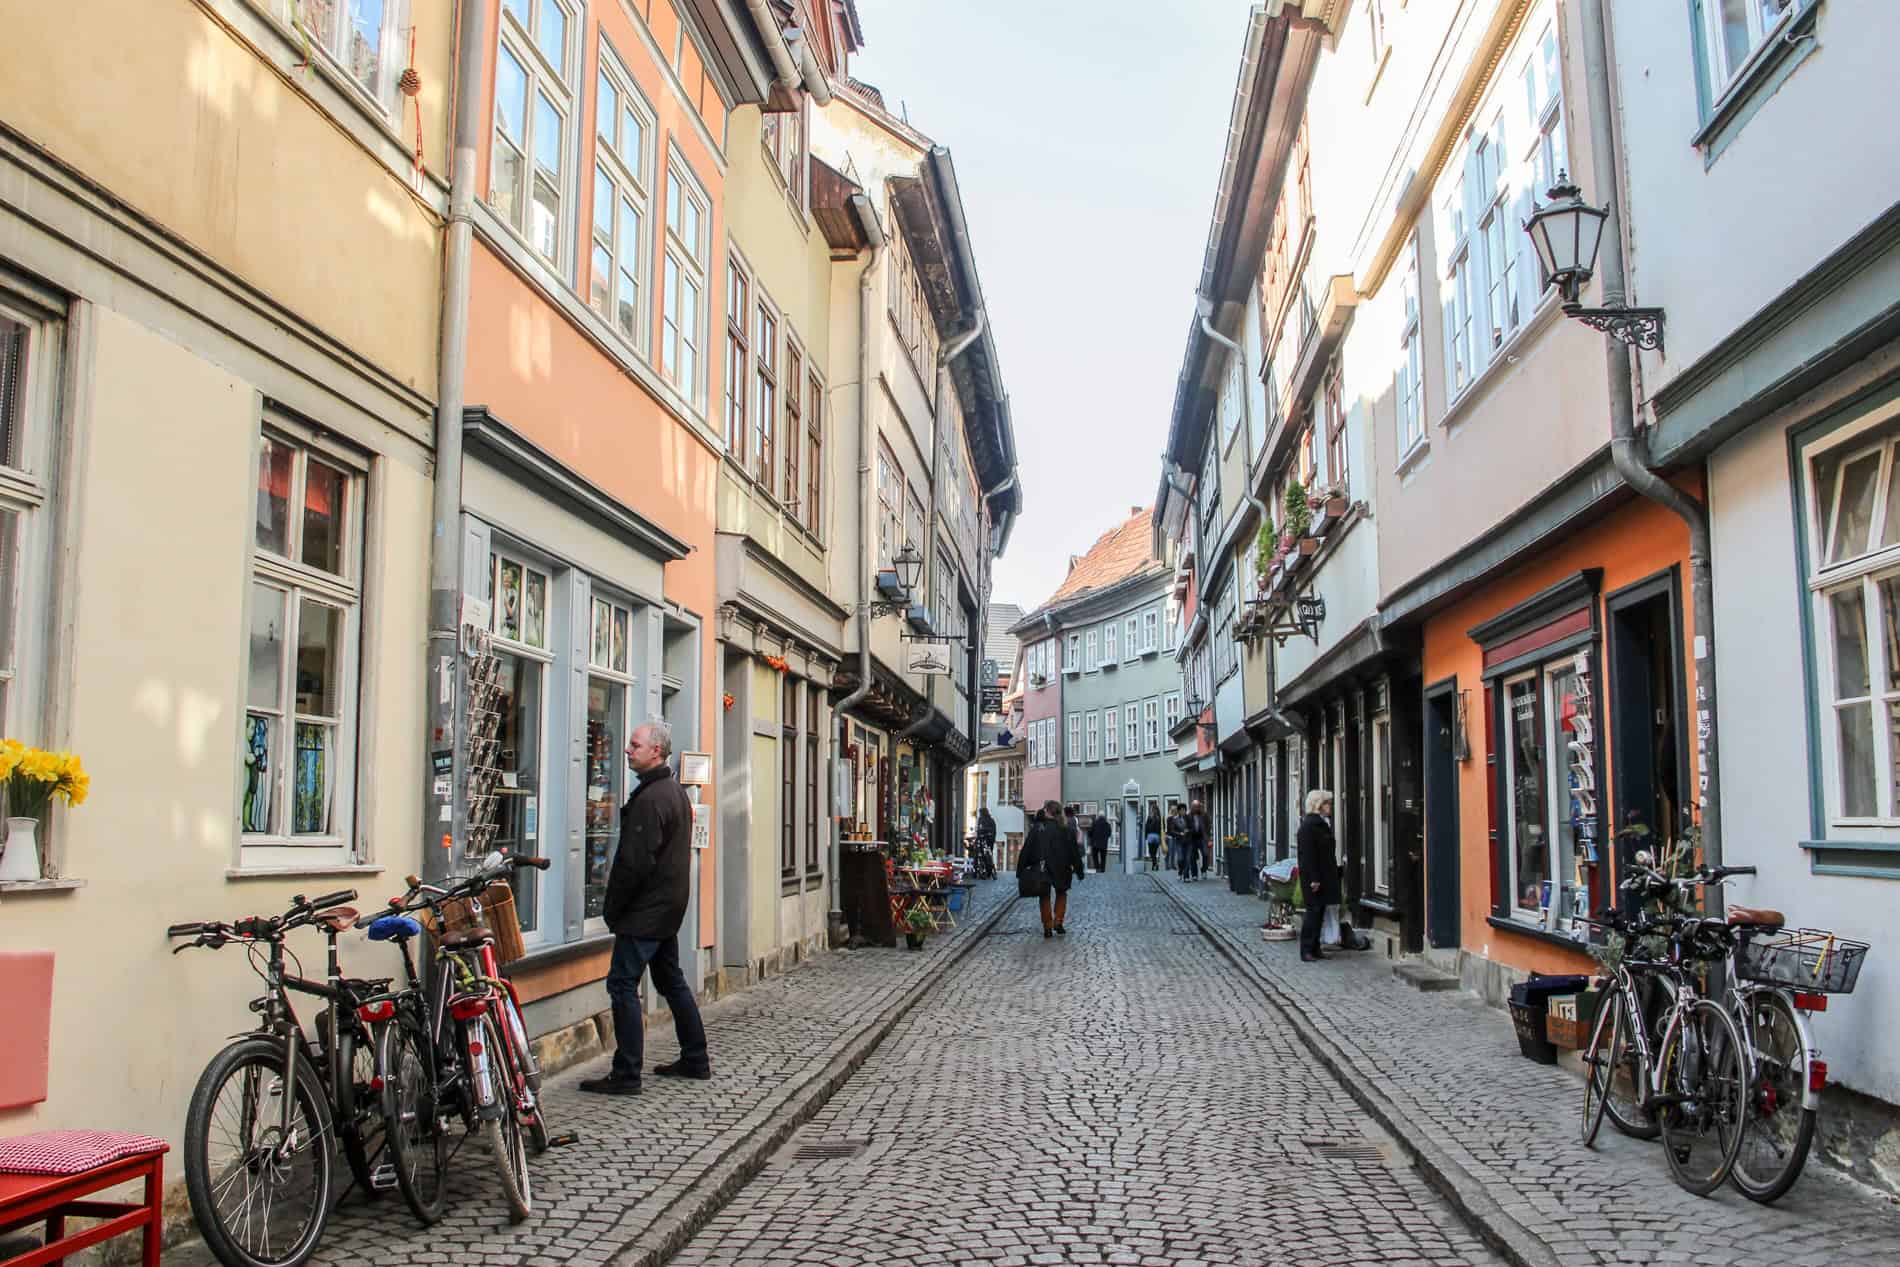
{"points": [[1811, 959]]}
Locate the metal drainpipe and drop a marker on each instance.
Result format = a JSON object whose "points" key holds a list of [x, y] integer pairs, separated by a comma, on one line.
{"points": [[445, 553], [775, 46], [949, 353], [1630, 455], [874, 234]]}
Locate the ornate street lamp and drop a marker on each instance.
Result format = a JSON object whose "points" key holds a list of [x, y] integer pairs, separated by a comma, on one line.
{"points": [[1566, 233], [898, 583]]}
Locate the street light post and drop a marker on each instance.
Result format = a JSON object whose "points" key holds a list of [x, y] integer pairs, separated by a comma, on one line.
{"points": [[1567, 233]]}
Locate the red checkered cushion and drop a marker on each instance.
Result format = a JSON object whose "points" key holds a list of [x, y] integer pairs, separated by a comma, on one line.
{"points": [[71, 1152]]}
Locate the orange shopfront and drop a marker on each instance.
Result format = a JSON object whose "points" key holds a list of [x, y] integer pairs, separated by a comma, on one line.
{"points": [[1559, 737]]}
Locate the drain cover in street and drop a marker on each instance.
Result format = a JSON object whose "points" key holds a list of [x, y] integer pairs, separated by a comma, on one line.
{"points": [[1356, 1152], [826, 1149]]}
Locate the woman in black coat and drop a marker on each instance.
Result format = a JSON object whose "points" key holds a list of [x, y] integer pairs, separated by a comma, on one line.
{"points": [[1318, 854], [1053, 848]]}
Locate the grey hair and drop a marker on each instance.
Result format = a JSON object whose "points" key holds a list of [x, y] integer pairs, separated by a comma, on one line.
{"points": [[1316, 798], [661, 734]]}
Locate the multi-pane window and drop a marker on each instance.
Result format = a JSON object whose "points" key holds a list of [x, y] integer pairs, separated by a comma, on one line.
{"points": [[1131, 728], [1170, 711], [1092, 650], [1457, 290], [362, 37], [297, 748], [529, 181], [783, 135], [788, 776], [1336, 446], [1855, 582], [30, 351], [1093, 722], [890, 502], [910, 310], [1731, 31], [685, 282], [1499, 233], [764, 393], [815, 454], [1171, 627], [914, 535], [1411, 387], [1151, 724], [1150, 630], [1375, 27], [738, 343], [1542, 80], [1111, 733], [1131, 637], [617, 262], [794, 435], [1109, 643], [610, 686], [1075, 739], [1072, 654]]}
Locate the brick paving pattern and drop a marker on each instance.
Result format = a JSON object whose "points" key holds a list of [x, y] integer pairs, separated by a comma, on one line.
{"points": [[1117, 1096], [1448, 1072]]}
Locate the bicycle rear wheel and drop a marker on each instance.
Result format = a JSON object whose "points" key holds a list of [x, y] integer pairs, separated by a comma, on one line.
{"points": [[260, 1193], [418, 1142], [1705, 1081], [1777, 1131], [502, 1132], [359, 1118]]}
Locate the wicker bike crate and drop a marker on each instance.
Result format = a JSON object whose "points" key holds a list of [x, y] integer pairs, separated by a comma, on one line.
{"points": [[1808, 959], [498, 914]]}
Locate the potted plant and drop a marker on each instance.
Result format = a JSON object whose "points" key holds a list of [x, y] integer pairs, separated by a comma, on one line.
{"points": [[31, 777], [916, 924]]}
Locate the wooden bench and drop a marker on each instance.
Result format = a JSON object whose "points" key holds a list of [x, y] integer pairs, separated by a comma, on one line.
{"points": [[46, 1178]]}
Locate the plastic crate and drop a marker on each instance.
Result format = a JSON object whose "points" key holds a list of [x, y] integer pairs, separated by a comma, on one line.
{"points": [[1809, 959]]}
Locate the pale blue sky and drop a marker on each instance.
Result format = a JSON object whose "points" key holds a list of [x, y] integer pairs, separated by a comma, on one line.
{"points": [[1087, 136]]}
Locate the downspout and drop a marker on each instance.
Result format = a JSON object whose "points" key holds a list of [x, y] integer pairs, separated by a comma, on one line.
{"points": [[786, 71], [1630, 455], [874, 235], [445, 552], [799, 49], [955, 348]]}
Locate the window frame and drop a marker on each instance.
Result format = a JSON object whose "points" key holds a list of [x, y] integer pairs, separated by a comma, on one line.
{"points": [[1091, 650], [789, 162], [1075, 737], [384, 93], [29, 494], [1072, 653], [521, 43], [1151, 725], [1338, 462], [1111, 733], [685, 263], [1410, 391], [1131, 729], [1171, 705], [738, 420], [815, 452], [1091, 726], [766, 332], [1150, 630], [626, 186], [1718, 79], [788, 747]]}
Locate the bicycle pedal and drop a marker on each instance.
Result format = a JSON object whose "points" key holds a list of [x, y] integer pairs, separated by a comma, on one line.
{"points": [[383, 1178], [564, 1139]]}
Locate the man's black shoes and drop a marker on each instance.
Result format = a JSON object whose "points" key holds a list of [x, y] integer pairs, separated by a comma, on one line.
{"points": [[612, 1084], [679, 1069]]}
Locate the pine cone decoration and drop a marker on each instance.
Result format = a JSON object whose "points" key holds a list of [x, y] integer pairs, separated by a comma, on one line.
{"points": [[410, 83]]}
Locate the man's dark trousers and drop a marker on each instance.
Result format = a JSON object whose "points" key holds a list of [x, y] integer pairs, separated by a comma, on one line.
{"points": [[633, 956], [1310, 922]]}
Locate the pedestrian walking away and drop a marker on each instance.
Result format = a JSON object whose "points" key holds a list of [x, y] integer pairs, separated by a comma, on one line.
{"points": [[1203, 832], [1152, 831], [985, 840], [1099, 833], [648, 889], [1193, 828], [1051, 856], [1318, 855], [1177, 836]]}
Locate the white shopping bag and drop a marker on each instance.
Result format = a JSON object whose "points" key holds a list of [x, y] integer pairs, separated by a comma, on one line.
{"points": [[1329, 927]]}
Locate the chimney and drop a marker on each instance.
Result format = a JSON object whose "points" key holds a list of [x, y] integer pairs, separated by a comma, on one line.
{"points": [[1134, 511]]}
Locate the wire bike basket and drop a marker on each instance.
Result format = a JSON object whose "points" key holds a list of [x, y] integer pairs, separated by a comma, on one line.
{"points": [[1810, 959]]}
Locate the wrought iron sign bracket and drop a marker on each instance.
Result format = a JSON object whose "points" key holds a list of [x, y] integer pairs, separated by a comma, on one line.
{"points": [[1638, 327], [931, 637], [1284, 619]]}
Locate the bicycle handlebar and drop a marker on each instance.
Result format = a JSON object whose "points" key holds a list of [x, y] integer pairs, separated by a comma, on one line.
{"points": [[259, 927]]}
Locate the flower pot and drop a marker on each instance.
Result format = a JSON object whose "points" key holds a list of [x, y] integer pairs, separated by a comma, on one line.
{"points": [[914, 940], [21, 861], [1335, 509], [1308, 546]]}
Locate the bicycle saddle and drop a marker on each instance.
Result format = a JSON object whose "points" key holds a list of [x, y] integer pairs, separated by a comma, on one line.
{"points": [[1753, 918], [393, 928], [464, 938], [337, 918]]}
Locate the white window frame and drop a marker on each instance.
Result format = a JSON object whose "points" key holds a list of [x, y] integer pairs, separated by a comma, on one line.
{"points": [[1131, 638], [1111, 733], [1092, 727], [550, 890], [1410, 391], [1557, 860], [1075, 738], [628, 180], [1171, 704], [1150, 631], [1131, 729], [1110, 645], [555, 84], [686, 264], [27, 495], [620, 676], [1460, 366], [1092, 651], [1072, 654], [391, 53], [1861, 572], [1381, 807], [299, 582], [1171, 626], [1724, 71], [1151, 724]]}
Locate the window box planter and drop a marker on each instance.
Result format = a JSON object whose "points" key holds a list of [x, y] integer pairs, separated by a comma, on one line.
{"points": [[1308, 546], [1327, 512]]}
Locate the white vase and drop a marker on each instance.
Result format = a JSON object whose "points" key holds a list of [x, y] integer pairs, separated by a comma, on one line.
{"points": [[21, 861]]}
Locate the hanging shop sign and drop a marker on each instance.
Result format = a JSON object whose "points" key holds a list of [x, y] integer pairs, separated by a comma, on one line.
{"points": [[927, 658]]}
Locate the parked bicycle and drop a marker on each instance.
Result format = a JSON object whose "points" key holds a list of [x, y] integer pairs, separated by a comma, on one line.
{"points": [[260, 1125], [1774, 979], [1689, 1086], [457, 1047]]}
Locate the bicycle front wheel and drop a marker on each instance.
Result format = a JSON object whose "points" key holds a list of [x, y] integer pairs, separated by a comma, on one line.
{"points": [[259, 1183], [1777, 1131], [1613, 1075], [1705, 1095], [418, 1142]]}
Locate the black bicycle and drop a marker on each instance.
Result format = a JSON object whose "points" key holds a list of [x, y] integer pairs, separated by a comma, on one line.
{"points": [[259, 1129]]}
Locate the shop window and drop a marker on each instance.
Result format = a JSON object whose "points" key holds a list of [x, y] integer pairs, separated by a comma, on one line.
{"points": [[297, 755], [812, 731], [1854, 570], [1550, 793], [1381, 859], [519, 593], [617, 270], [788, 777], [610, 686], [530, 183]]}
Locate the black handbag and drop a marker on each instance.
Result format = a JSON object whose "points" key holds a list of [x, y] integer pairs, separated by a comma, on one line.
{"points": [[1032, 880]]}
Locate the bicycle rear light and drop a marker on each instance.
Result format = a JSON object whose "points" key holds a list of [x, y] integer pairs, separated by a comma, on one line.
{"points": [[1810, 1002], [1817, 1075], [468, 1009], [376, 1011]]}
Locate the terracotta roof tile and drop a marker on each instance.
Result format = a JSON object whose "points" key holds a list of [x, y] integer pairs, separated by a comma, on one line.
{"points": [[1119, 553]]}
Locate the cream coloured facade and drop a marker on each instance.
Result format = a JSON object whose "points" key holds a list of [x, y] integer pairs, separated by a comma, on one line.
{"points": [[220, 503]]}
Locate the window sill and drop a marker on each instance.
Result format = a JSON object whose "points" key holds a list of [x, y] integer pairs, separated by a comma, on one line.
{"points": [[1866, 859], [1379, 904], [1546, 311], [1414, 455], [40, 886], [315, 868], [1768, 68], [548, 956], [1522, 929]]}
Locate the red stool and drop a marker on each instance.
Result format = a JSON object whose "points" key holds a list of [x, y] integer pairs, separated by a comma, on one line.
{"points": [[44, 1176]]}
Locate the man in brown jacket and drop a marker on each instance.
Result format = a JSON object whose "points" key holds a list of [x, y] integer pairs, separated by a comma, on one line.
{"points": [[647, 894]]}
